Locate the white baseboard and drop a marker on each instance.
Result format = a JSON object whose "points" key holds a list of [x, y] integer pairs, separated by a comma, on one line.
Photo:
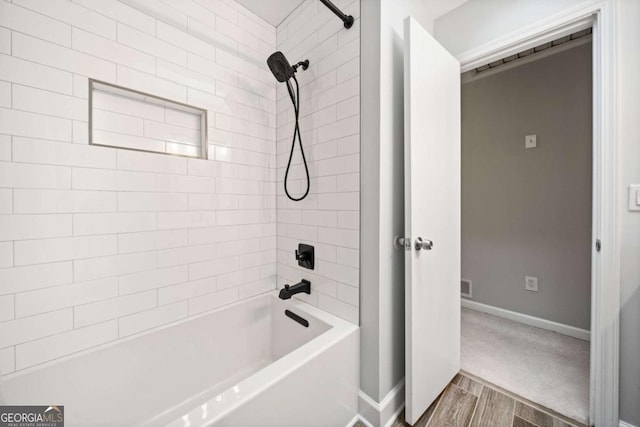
{"points": [[623, 424], [381, 414], [356, 419], [560, 328], [361, 419], [394, 416]]}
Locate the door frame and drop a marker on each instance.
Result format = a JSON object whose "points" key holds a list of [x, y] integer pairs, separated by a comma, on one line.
{"points": [[605, 279]]}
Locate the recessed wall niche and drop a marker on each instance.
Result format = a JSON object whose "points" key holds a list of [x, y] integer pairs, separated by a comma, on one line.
{"points": [[125, 118]]}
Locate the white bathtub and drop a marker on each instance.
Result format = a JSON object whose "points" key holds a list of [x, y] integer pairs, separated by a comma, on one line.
{"points": [[243, 365]]}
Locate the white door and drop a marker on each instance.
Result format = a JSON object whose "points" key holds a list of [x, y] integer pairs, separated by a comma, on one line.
{"points": [[432, 213]]}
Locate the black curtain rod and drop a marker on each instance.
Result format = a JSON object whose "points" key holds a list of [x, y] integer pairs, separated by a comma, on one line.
{"points": [[347, 19]]}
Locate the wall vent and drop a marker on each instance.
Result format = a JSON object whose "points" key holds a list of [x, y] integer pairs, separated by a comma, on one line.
{"points": [[466, 288]]}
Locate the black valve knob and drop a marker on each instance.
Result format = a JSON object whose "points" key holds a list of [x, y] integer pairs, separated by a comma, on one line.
{"points": [[305, 256]]}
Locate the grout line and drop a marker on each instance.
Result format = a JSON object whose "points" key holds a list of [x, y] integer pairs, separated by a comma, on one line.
{"points": [[235, 86], [41, 88], [131, 47], [48, 362], [475, 407], [526, 420]]}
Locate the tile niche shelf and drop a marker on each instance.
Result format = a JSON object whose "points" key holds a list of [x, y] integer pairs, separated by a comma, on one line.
{"points": [[129, 119]]}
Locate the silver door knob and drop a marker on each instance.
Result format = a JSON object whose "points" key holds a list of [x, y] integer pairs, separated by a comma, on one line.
{"points": [[423, 244]]}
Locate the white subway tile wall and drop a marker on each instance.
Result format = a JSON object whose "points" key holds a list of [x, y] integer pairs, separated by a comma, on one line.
{"points": [[330, 124], [98, 243]]}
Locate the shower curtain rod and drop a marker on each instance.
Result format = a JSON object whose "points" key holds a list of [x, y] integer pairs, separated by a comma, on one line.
{"points": [[347, 19]]}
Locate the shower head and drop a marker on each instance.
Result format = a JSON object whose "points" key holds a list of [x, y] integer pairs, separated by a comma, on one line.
{"points": [[281, 68], [283, 71]]}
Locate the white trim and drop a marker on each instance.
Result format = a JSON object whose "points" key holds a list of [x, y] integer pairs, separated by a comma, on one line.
{"points": [[394, 416], [569, 21], [385, 412], [363, 421], [605, 286], [605, 289], [623, 424], [356, 419], [369, 401], [560, 328], [536, 56], [387, 399], [392, 394]]}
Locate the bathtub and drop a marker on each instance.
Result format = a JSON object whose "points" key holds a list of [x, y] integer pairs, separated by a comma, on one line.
{"points": [[247, 364]]}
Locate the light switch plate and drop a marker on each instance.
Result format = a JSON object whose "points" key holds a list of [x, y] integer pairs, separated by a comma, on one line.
{"points": [[530, 141], [634, 197]]}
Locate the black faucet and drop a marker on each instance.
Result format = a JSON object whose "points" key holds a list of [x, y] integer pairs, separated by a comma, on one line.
{"points": [[288, 291]]}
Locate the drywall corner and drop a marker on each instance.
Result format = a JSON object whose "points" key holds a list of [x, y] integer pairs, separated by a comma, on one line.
{"points": [[369, 196]]}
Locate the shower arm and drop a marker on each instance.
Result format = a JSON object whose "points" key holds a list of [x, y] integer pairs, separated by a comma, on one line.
{"points": [[304, 64], [347, 19]]}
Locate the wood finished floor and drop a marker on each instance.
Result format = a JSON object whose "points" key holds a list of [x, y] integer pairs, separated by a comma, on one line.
{"points": [[470, 402]]}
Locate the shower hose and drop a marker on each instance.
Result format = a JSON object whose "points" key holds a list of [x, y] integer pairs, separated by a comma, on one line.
{"points": [[295, 100]]}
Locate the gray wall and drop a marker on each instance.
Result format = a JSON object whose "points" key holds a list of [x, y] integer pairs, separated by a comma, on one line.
{"points": [[486, 20], [369, 197], [528, 211], [382, 184]]}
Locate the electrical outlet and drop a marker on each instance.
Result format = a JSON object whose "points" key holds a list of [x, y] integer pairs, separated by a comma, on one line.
{"points": [[531, 283]]}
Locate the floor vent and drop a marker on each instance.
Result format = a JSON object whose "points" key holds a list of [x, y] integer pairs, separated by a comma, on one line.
{"points": [[465, 288]]}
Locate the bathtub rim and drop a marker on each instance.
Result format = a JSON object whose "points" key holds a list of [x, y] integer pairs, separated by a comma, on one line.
{"points": [[277, 370], [330, 319]]}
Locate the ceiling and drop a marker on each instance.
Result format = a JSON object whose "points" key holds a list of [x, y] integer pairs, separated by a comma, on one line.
{"points": [[272, 11]]}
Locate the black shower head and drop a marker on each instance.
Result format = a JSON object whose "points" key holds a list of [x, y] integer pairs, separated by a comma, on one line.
{"points": [[281, 68]]}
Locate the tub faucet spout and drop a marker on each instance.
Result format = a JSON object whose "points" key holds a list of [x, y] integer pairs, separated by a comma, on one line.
{"points": [[288, 291]]}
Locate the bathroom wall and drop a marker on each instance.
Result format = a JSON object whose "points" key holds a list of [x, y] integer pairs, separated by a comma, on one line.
{"points": [[527, 212], [382, 273], [97, 244], [629, 110], [329, 217]]}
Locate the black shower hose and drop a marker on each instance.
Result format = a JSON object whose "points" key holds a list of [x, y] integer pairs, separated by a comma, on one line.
{"points": [[296, 107]]}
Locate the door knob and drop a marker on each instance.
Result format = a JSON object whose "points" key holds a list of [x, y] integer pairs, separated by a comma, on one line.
{"points": [[423, 244]]}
